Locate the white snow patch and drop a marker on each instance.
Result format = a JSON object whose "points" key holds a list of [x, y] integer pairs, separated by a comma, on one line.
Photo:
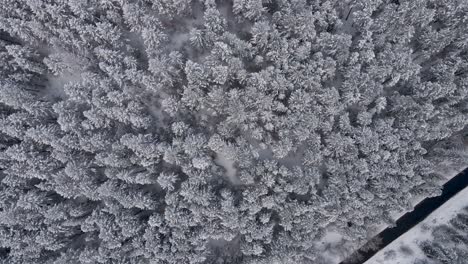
{"points": [[179, 40], [228, 164], [331, 247], [347, 26], [157, 113], [56, 84], [135, 40], [65, 68], [420, 232]]}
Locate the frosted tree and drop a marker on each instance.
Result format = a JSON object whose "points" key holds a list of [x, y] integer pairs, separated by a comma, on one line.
{"points": [[181, 131]]}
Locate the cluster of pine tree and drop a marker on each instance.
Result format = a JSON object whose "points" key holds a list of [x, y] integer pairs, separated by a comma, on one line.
{"points": [[221, 131]]}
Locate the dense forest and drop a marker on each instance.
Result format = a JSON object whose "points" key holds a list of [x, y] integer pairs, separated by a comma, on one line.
{"points": [[222, 131]]}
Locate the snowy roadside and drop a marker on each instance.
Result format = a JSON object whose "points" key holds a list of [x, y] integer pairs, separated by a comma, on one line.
{"points": [[337, 249], [406, 248]]}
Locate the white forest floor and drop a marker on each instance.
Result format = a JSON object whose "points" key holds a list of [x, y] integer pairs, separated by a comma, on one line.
{"points": [[228, 164]]}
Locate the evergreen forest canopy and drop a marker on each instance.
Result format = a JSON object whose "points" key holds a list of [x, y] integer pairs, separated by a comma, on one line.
{"points": [[229, 131]]}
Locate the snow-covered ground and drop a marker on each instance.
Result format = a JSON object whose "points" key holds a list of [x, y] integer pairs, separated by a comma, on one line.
{"points": [[331, 247], [228, 164], [405, 248]]}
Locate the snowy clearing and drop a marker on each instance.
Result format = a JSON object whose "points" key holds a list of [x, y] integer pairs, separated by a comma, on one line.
{"points": [[228, 165]]}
